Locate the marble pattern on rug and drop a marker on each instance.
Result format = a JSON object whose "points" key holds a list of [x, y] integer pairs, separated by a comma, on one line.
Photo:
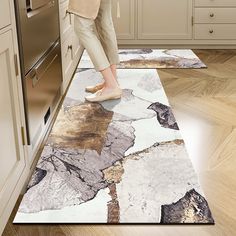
{"points": [[154, 184], [74, 174], [138, 164], [152, 58]]}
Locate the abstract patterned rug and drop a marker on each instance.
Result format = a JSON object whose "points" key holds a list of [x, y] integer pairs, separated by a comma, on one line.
{"points": [[152, 58], [121, 161]]}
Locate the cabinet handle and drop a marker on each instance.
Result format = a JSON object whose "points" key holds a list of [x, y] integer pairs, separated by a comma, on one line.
{"points": [[212, 15], [23, 135], [67, 12], [70, 47], [16, 65], [118, 9], [211, 31]]}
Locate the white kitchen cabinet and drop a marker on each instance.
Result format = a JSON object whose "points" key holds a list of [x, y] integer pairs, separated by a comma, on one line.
{"points": [[14, 165], [5, 17], [12, 132], [67, 58], [65, 21], [169, 19], [77, 49], [177, 24], [124, 25], [12, 160], [215, 20], [71, 50]]}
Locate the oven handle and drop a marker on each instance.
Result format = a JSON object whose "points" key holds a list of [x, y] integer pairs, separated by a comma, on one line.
{"points": [[40, 71], [36, 11], [41, 68], [36, 4]]}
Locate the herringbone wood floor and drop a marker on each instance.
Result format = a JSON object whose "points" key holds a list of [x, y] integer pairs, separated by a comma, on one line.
{"points": [[204, 103]]}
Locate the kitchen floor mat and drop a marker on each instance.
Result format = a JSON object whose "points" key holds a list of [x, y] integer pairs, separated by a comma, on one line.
{"points": [[152, 58], [120, 161]]}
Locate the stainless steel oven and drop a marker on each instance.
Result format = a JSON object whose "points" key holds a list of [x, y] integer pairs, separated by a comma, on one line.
{"points": [[39, 45], [38, 28]]}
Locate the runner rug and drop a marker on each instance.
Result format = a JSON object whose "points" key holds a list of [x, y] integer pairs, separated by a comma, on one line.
{"points": [[120, 161], [152, 58]]}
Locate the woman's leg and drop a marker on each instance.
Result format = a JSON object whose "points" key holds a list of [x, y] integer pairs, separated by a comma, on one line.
{"points": [[114, 71], [107, 34], [88, 38]]}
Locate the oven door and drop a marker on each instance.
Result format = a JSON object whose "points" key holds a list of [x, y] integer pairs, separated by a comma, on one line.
{"points": [[38, 30], [43, 89]]}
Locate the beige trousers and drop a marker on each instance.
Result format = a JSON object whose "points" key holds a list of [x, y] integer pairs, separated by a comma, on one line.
{"points": [[101, 47]]}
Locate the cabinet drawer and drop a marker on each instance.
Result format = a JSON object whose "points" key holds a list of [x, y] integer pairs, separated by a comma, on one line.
{"points": [[215, 15], [215, 31], [5, 16], [67, 56], [66, 20], [215, 3], [76, 45]]}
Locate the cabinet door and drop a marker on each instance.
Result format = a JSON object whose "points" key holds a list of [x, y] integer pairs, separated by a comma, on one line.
{"points": [[77, 47], [12, 159], [164, 19], [67, 52], [5, 16], [65, 21], [125, 24]]}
